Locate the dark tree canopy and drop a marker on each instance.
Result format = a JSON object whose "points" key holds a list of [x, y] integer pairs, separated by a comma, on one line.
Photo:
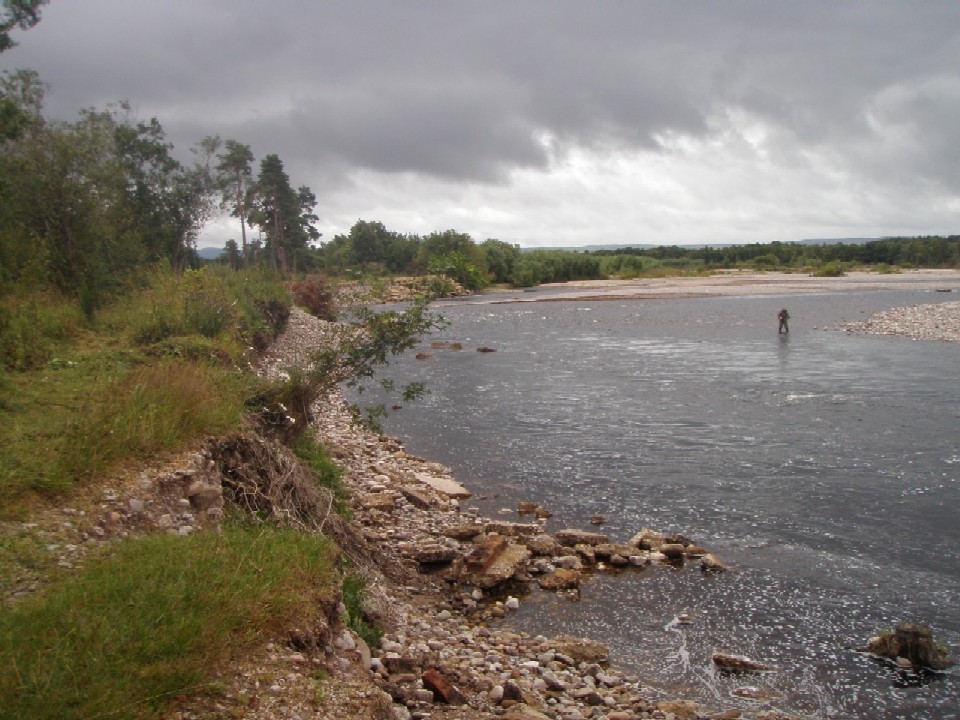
{"points": [[23, 14]]}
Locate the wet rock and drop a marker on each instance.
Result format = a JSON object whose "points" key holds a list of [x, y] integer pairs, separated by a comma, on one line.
{"points": [[680, 709], [711, 563], [738, 663], [572, 537], [435, 555], [560, 579], [913, 643], [673, 551]]}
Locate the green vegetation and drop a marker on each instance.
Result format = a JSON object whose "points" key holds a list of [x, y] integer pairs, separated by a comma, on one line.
{"points": [[150, 373], [325, 471], [354, 595], [154, 618]]}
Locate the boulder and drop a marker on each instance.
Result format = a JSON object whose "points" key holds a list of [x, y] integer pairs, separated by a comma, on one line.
{"points": [[560, 579], [738, 663], [914, 643], [377, 501], [711, 563], [437, 682], [579, 649], [647, 539], [422, 499], [673, 551], [432, 554]]}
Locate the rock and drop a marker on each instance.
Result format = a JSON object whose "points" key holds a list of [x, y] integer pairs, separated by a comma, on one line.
{"points": [[435, 555], [597, 520], [524, 712], [527, 508], [673, 551], [203, 497], [560, 579], [711, 563], [573, 537], [423, 356], [913, 643], [422, 499], [738, 663], [681, 709], [484, 349], [446, 486], [579, 649], [437, 682], [511, 529], [542, 545], [483, 555], [754, 693], [647, 539], [384, 502]]}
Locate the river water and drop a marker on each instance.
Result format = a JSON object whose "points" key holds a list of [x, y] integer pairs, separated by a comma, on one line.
{"points": [[824, 467]]}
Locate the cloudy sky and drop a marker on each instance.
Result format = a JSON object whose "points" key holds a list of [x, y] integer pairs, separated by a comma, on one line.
{"points": [[548, 123]]}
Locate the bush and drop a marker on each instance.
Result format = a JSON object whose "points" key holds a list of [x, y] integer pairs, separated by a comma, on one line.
{"points": [[830, 269], [312, 294], [354, 595], [157, 619]]}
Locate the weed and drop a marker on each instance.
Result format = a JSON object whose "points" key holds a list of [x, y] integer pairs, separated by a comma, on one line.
{"points": [[354, 594], [325, 471]]}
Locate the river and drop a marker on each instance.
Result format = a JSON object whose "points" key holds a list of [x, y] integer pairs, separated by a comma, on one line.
{"points": [[823, 466]]}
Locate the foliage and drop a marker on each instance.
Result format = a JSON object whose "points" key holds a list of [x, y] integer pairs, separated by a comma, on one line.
{"points": [[830, 269], [546, 266], [157, 619], [31, 326], [285, 215], [312, 294], [354, 594], [458, 267], [325, 471], [23, 14], [365, 345]]}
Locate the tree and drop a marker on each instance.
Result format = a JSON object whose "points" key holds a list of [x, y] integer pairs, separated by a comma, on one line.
{"points": [[284, 215], [235, 173], [23, 14]]}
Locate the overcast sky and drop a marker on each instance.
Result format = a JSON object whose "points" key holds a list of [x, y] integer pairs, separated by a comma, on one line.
{"points": [[548, 123]]}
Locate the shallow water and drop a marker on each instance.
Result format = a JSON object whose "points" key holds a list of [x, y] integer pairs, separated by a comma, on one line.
{"points": [[824, 466]]}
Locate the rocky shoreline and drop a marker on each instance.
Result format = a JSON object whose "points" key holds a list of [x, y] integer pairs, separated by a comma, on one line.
{"points": [[444, 573]]}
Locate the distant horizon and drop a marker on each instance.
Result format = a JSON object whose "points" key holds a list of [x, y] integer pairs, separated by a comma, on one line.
{"points": [[647, 246]]}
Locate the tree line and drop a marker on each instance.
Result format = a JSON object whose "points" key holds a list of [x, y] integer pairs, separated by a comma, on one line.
{"points": [[85, 204]]}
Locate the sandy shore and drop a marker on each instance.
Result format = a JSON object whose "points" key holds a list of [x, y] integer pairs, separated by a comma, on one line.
{"points": [[736, 283]]}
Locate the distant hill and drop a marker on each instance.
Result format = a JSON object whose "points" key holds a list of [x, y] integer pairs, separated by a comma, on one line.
{"points": [[210, 253], [692, 246]]}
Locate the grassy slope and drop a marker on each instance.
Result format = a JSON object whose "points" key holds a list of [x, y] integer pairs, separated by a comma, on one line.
{"points": [[147, 618]]}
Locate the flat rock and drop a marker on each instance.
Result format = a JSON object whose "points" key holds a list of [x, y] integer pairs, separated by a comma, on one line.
{"points": [[445, 485], [572, 537]]}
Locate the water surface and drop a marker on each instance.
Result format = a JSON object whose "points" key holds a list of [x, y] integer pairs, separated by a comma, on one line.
{"points": [[824, 466]]}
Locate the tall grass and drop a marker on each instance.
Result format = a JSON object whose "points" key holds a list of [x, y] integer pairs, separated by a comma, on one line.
{"points": [[152, 408], [156, 619]]}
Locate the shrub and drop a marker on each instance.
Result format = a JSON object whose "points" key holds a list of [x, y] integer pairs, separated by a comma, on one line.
{"points": [[312, 294], [830, 269]]}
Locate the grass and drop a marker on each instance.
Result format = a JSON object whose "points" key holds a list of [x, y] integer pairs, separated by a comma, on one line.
{"points": [[153, 372], [156, 619], [325, 471]]}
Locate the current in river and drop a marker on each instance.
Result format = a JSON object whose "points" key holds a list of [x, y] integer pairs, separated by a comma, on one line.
{"points": [[824, 467]]}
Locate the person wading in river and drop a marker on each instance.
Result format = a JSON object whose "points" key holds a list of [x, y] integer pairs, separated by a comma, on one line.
{"points": [[783, 316]]}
